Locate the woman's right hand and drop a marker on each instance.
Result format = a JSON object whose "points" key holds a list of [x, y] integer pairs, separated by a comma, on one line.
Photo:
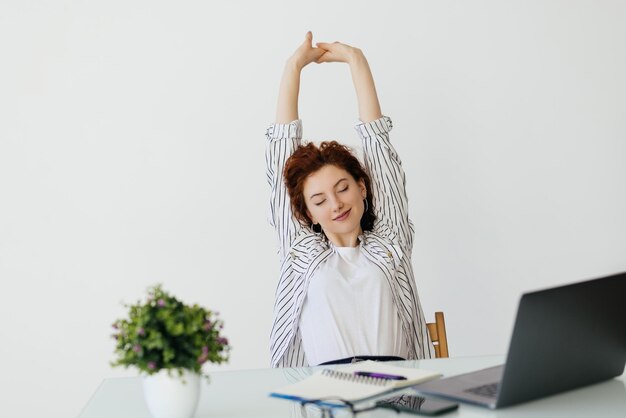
{"points": [[287, 110], [306, 52]]}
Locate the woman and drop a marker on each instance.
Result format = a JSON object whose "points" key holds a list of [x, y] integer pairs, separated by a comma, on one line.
{"points": [[346, 288]]}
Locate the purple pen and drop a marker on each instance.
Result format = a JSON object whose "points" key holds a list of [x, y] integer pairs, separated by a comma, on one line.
{"points": [[380, 375]]}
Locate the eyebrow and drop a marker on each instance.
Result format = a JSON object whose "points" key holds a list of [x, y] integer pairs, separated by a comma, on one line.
{"points": [[317, 194]]}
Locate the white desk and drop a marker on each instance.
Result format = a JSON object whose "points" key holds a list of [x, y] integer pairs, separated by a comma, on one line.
{"points": [[244, 393]]}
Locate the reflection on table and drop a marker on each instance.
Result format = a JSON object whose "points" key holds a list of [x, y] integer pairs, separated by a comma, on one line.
{"points": [[244, 393]]}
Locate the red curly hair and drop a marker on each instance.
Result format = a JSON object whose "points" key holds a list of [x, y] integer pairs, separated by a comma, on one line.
{"points": [[309, 158]]}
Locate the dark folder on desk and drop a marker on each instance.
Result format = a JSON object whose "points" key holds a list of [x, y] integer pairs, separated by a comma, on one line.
{"points": [[564, 338]]}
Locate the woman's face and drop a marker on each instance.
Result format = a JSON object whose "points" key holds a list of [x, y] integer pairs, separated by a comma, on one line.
{"points": [[335, 201]]}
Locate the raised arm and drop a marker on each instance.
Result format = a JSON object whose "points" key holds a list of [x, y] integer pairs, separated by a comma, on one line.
{"points": [[283, 137], [369, 107], [381, 159], [287, 110]]}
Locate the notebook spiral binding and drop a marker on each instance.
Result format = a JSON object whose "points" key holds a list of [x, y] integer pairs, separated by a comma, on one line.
{"points": [[369, 380]]}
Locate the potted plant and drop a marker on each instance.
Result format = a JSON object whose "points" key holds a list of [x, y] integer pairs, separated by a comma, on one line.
{"points": [[168, 342]]}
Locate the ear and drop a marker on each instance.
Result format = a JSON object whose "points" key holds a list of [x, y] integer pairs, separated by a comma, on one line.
{"points": [[362, 188], [308, 213]]}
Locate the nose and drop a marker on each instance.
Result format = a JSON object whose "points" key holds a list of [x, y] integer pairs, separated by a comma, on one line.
{"points": [[336, 204]]}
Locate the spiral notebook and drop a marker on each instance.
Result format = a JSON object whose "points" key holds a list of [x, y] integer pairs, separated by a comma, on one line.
{"points": [[343, 383]]}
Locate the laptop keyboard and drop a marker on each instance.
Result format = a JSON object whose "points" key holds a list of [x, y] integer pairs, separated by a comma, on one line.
{"points": [[489, 390]]}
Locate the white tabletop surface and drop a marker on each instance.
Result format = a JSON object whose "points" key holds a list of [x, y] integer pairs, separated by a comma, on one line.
{"points": [[244, 393]]}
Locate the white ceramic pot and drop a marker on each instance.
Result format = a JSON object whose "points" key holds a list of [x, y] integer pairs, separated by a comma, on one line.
{"points": [[168, 397]]}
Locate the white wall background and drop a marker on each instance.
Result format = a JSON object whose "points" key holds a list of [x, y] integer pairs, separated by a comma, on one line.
{"points": [[131, 152]]}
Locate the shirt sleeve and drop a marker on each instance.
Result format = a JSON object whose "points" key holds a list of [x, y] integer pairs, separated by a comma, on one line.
{"points": [[282, 141], [388, 179]]}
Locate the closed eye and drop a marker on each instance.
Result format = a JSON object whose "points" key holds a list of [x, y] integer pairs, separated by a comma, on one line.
{"points": [[344, 189], [319, 203]]}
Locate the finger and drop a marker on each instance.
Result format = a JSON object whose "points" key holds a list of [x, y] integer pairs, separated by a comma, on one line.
{"points": [[323, 45], [318, 53], [328, 43], [314, 54], [318, 50], [308, 39], [325, 57]]}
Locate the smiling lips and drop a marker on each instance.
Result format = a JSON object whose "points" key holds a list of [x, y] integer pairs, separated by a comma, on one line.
{"points": [[342, 216]]}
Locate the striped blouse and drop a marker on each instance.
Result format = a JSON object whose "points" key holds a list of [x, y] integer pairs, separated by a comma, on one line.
{"points": [[301, 251]]}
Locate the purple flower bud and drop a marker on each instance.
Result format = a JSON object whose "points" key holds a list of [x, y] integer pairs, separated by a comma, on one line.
{"points": [[151, 365], [222, 341], [115, 326], [161, 303], [141, 332], [205, 350], [202, 359], [207, 325], [137, 348]]}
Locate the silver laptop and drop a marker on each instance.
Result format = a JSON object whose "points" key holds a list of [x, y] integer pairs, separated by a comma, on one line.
{"points": [[564, 338]]}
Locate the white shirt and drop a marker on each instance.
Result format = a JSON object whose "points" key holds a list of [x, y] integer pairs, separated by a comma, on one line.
{"points": [[349, 311]]}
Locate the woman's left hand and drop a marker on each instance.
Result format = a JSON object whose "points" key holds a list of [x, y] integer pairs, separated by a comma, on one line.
{"points": [[369, 107], [337, 52]]}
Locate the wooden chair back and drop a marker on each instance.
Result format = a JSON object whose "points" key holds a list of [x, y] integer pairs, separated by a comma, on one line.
{"points": [[437, 331]]}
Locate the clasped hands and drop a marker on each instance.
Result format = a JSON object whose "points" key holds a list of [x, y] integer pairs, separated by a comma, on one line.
{"points": [[323, 52]]}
